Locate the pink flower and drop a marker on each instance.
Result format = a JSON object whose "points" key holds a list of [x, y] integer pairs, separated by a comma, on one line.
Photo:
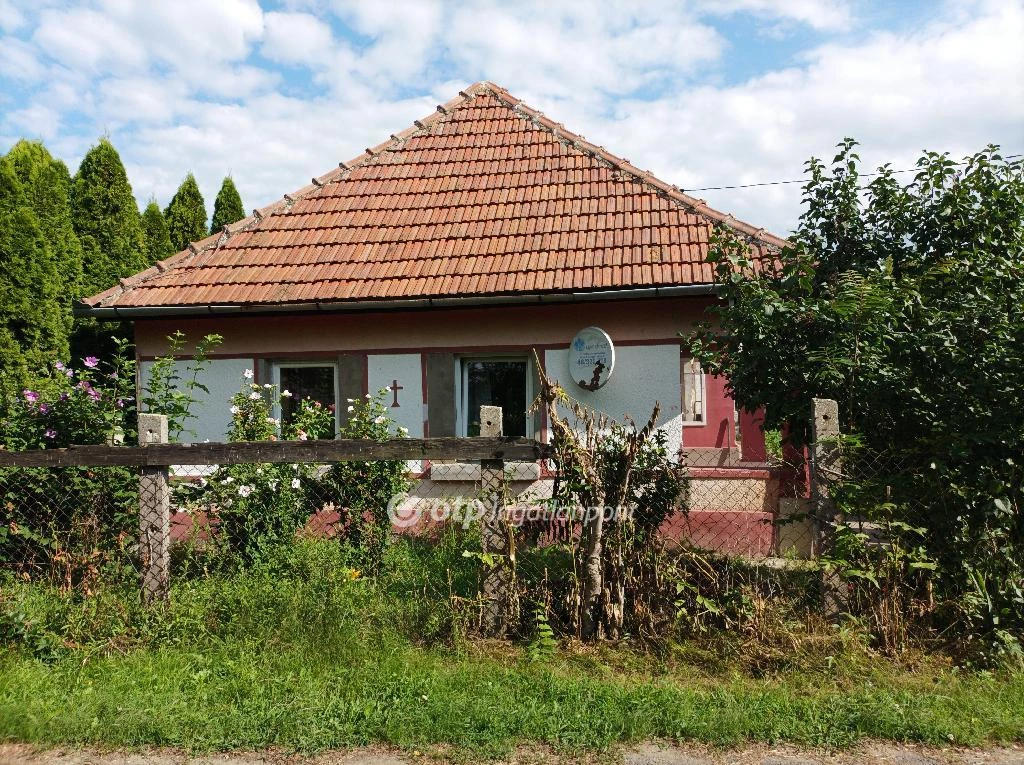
{"points": [[91, 361], [43, 409], [30, 395], [50, 433]]}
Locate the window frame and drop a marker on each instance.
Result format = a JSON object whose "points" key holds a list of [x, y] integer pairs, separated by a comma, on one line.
{"points": [[684, 360], [462, 388], [275, 379]]}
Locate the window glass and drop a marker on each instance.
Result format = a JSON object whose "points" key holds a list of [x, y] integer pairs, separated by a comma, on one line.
{"points": [[312, 382], [496, 383]]}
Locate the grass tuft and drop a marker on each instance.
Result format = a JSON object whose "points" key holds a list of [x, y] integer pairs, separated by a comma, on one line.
{"points": [[305, 652]]}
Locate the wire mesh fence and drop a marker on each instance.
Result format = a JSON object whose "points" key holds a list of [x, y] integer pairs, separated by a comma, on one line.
{"points": [[482, 534], [71, 526]]}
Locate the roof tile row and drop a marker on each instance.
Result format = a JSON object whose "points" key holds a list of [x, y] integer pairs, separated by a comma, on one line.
{"points": [[486, 196]]}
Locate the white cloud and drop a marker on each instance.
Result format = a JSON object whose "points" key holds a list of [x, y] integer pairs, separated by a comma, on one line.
{"points": [[36, 121], [19, 61], [297, 38], [177, 85], [574, 52], [819, 14], [140, 99], [125, 36], [949, 86], [404, 34], [86, 39], [11, 18]]}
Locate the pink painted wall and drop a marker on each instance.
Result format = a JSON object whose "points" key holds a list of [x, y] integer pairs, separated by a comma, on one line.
{"points": [[511, 327]]}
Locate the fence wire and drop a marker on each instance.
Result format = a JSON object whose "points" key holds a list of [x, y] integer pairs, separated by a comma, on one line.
{"points": [[481, 537]]}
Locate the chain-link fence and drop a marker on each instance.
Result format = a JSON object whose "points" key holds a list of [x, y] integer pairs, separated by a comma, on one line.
{"points": [[473, 523]]}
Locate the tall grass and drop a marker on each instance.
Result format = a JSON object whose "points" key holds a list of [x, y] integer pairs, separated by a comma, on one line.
{"points": [[306, 650]]}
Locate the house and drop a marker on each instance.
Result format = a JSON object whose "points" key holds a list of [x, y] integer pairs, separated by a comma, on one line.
{"points": [[434, 263]]}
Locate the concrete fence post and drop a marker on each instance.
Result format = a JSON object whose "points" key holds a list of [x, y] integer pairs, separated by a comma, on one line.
{"points": [[495, 536], [826, 469], [154, 515], [826, 466]]}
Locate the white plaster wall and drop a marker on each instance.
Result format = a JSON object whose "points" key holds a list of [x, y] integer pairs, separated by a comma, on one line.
{"points": [[382, 370], [643, 375], [406, 368], [224, 378]]}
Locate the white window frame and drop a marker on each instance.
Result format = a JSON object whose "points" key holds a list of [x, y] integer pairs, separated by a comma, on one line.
{"points": [[462, 388], [684, 361], [275, 378]]}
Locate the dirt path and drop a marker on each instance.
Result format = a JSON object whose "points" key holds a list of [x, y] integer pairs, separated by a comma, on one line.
{"points": [[646, 754]]}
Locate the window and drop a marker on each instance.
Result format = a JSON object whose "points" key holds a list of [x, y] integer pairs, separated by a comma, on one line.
{"points": [[503, 382], [691, 381], [316, 381]]}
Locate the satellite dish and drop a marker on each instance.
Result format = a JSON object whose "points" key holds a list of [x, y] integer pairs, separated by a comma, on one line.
{"points": [[591, 358]]}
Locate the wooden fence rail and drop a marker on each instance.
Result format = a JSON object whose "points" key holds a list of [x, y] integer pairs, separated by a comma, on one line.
{"points": [[251, 452], [154, 456]]}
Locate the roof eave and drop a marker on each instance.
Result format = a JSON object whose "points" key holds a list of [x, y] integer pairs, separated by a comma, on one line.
{"points": [[115, 313]]}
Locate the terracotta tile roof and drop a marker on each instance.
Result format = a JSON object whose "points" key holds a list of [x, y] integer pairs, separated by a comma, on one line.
{"points": [[484, 197]]}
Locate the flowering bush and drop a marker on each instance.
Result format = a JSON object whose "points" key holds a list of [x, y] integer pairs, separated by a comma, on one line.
{"points": [[69, 521], [94, 404], [364, 489], [258, 506]]}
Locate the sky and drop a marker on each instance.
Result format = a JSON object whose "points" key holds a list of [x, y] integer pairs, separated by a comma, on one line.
{"points": [[700, 92]]}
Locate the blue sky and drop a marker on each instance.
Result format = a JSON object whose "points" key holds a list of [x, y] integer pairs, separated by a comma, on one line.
{"points": [[701, 92]]}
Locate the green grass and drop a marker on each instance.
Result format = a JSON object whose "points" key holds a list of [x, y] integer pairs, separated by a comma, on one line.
{"points": [[297, 654]]}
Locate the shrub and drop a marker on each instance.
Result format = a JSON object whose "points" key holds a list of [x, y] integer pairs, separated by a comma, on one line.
{"points": [[256, 507], [903, 303], [69, 522]]}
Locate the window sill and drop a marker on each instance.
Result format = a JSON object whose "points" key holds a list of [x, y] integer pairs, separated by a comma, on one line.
{"points": [[467, 471]]}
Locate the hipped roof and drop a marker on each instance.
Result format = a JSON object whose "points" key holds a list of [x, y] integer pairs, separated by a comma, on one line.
{"points": [[485, 197]]}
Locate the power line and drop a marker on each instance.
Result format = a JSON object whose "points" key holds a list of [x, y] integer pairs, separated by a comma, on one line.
{"points": [[804, 180]]}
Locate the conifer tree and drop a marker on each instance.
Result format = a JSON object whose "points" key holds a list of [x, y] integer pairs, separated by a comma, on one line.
{"points": [[186, 215], [46, 184], [33, 327], [107, 220], [228, 206], [158, 241]]}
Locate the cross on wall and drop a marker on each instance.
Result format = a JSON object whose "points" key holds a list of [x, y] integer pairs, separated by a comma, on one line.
{"points": [[394, 388]]}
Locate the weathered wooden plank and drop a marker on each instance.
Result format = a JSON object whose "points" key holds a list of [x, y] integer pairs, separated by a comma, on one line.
{"points": [[338, 450]]}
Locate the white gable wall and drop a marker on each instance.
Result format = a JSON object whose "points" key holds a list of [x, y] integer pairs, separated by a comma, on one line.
{"points": [[212, 413], [643, 375]]}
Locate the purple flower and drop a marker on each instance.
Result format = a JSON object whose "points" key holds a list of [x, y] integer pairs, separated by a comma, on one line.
{"points": [[84, 385], [30, 395], [60, 366], [43, 409], [94, 394], [50, 433], [120, 403], [63, 396], [91, 361]]}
